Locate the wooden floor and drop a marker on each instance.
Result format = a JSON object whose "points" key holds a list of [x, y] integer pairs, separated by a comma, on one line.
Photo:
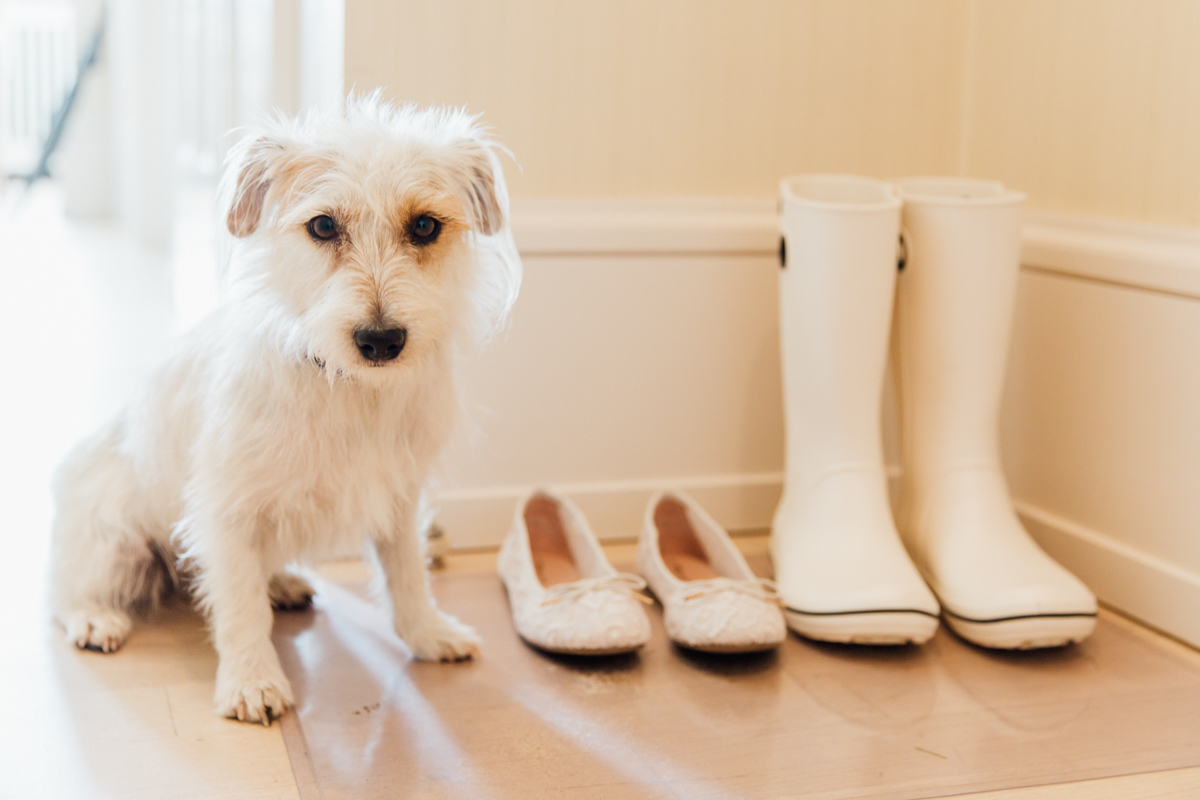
{"points": [[1116, 718], [813, 720], [944, 719]]}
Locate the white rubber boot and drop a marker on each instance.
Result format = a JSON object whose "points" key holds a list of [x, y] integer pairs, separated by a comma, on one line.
{"points": [[954, 316], [840, 567]]}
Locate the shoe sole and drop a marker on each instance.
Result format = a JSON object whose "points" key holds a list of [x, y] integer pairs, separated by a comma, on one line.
{"points": [[1024, 633], [610, 651], [897, 627], [729, 649]]}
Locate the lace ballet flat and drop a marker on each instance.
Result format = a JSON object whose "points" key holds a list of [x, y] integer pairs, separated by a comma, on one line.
{"points": [[564, 595], [711, 599]]}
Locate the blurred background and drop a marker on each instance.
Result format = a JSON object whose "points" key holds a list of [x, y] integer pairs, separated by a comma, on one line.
{"points": [[650, 137]]}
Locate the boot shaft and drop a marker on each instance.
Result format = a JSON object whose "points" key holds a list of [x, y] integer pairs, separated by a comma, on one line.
{"points": [[836, 294], [954, 312]]}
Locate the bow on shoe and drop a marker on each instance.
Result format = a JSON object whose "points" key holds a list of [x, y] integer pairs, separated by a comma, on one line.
{"points": [[760, 588], [622, 581]]}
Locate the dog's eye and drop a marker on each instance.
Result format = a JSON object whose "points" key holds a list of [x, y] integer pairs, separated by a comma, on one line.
{"points": [[425, 229], [322, 228]]}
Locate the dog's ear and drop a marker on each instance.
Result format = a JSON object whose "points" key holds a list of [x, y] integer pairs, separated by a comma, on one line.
{"points": [[252, 161], [482, 186]]}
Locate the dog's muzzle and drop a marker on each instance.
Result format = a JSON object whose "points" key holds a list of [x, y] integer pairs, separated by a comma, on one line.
{"points": [[379, 346]]}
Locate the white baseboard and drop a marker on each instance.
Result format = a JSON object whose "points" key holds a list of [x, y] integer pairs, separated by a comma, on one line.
{"points": [[480, 517], [1155, 591]]}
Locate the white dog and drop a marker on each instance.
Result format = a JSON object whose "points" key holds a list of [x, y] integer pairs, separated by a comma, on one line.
{"points": [[308, 411]]}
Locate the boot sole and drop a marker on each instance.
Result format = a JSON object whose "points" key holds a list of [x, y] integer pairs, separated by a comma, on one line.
{"points": [[1024, 633], [881, 627]]}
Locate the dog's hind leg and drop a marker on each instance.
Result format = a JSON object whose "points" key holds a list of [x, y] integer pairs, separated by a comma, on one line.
{"points": [[94, 627], [102, 564], [290, 591]]}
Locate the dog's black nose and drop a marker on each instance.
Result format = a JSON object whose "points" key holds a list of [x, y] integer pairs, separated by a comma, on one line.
{"points": [[377, 345]]}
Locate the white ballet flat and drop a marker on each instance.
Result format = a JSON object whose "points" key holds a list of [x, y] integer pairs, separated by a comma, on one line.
{"points": [[711, 599], [565, 596]]}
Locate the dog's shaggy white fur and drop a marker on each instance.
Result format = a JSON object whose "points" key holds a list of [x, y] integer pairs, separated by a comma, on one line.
{"points": [[273, 435]]}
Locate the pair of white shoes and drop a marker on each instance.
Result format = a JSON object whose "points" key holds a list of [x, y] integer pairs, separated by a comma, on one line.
{"points": [[846, 569], [567, 598]]}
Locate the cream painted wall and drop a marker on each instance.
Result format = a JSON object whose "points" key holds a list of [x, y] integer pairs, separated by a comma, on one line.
{"points": [[679, 97], [1090, 106]]}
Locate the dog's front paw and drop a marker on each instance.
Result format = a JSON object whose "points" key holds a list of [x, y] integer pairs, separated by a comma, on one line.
{"points": [[443, 638], [254, 700], [290, 592], [102, 630]]}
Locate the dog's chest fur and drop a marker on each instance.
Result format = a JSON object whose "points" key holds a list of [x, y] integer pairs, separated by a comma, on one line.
{"points": [[347, 464], [321, 463]]}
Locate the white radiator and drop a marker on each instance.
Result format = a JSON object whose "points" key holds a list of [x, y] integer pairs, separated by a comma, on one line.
{"points": [[38, 64]]}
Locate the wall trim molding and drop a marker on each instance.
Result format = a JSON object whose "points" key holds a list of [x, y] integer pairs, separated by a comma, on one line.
{"points": [[646, 226], [1150, 257], [1159, 593], [1134, 255]]}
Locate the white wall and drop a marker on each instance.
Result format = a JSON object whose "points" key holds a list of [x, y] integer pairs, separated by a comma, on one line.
{"points": [[678, 97], [643, 353], [1090, 106], [1087, 105], [643, 350], [1101, 434]]}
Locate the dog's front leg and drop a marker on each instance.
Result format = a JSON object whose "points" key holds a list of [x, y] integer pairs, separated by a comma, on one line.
{"points": [[234, 585], [431, 634]]}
